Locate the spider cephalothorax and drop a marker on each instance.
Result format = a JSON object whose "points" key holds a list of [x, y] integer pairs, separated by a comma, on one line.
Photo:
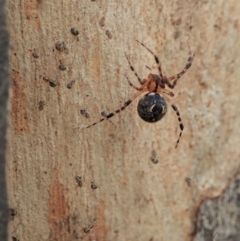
{"points": [[152, 107]]}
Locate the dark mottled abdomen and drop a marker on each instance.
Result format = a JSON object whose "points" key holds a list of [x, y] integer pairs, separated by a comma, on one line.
{"points": [[152, 107]]}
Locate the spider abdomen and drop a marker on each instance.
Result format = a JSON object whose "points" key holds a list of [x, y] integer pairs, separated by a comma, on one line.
{"points": [[152, 107]]}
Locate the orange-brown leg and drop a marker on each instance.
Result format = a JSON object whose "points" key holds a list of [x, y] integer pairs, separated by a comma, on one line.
{"points": [[166, 92], [142, 82], [179, 119], [180, 123], [127, 103], [132, 85], [155, 57], [176, 77]]}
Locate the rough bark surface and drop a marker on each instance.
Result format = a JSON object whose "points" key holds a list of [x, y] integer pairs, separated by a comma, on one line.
{"points": [[219, 218], [55, 165]]}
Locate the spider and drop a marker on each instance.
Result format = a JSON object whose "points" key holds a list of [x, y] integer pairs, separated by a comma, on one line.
{"points": [[152, 107]]}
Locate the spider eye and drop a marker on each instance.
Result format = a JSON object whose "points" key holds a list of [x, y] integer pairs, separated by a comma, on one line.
{"points": [[152, 107]]}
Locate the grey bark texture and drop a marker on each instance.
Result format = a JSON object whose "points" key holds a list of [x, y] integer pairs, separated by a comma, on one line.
{"points": [[219, 218], [4, 88], [67, 182]]}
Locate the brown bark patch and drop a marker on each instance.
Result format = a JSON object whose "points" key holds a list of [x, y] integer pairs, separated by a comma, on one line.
{"points": [[19, 105], [100, 231], [58, 213], [31, 9]]}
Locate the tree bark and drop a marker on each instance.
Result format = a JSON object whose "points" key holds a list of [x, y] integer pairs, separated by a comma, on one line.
{"points": [[67, 182]]}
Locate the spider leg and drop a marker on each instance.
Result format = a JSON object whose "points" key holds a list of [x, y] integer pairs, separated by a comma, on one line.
{"points": [[142, 82], [110, 115], [180, 123], [148, 67], [176, 77], [166, 92], [132, 85], [179, 120], [155, 57]]}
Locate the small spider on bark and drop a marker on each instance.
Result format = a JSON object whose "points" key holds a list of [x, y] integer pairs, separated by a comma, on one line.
{"points": [[152, 107]]}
